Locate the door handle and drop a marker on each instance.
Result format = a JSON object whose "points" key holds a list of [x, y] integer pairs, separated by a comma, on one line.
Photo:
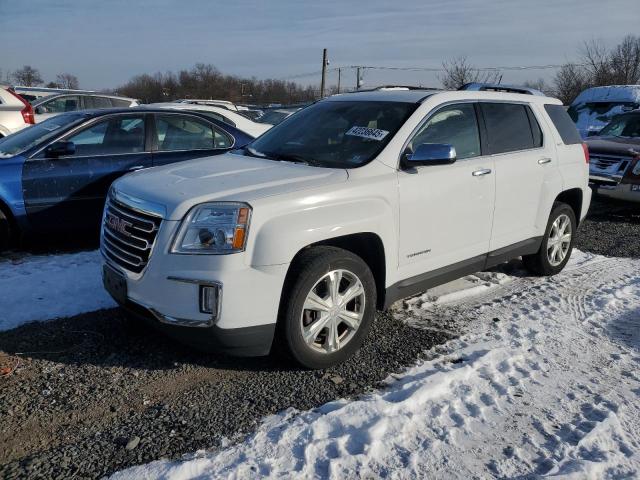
{"points": [[136, 167], [481, 172], [544, 160]]}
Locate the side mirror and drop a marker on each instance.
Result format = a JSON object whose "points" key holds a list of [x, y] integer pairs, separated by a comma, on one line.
{"points": [[60, 149], [431, 154]]}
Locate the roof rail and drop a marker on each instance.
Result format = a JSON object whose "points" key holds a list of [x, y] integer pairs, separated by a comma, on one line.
{"points": [[394, 87], [496, 87]]}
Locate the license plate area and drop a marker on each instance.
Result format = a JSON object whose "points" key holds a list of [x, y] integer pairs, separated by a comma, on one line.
{"points": [[115, 283]]}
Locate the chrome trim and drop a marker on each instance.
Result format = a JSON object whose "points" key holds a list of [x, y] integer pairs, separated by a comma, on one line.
{"points": [[147, 245], [106, 247], [205, 283], [139, 205], [183, 322], [139, 219]]}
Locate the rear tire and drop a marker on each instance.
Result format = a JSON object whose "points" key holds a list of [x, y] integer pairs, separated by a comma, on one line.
{"points": [[328, 307], [557, 242]]}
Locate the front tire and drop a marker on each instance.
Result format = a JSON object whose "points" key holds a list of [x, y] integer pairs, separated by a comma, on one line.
{"points": [[557, 242], [328, 307]]}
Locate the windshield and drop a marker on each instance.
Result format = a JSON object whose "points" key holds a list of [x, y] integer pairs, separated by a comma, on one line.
{"points": [[622, 126], [273, 117], [334, 134], [32, 136]]}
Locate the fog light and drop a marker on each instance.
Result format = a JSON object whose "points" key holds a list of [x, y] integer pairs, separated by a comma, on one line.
{"points": [[209, 299]]}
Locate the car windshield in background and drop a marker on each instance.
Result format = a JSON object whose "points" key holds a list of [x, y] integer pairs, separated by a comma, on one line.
{"points": [[590, 118], [334, 134], [32, 136], [623, 126], [273, 118]]}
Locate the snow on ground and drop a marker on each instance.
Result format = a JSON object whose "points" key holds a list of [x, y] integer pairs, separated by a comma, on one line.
{"points": [[44, 287], [544, 383]]}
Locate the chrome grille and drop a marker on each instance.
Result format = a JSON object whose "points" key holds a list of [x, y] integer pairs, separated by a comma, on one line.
{"points": [[608, 163], [128, 235]]}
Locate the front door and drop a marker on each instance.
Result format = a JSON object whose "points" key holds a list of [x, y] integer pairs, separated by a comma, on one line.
{"points": [[446, 210], [68, 193]]}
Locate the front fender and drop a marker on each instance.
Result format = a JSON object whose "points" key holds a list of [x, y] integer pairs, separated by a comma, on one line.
{"points": [[280, 237]]}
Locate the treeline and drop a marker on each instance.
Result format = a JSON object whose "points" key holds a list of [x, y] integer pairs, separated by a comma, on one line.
{"points": [[205, 81]]}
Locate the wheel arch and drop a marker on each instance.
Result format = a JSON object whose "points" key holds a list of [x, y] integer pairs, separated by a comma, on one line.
{"points": [[573, 198], [366, 245]]}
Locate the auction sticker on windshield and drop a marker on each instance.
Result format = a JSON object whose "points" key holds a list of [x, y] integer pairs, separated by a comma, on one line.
{"points": [[366, 132]]}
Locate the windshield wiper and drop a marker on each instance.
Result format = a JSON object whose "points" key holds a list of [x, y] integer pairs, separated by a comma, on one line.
{"points": [[292, 157]]}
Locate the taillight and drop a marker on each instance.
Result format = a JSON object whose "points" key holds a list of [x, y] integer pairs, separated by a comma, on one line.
{"points": [[27, 111], [586, 152]]}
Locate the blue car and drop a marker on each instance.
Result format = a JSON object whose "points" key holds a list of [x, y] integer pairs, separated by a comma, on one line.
{"points": [[55, 175]]}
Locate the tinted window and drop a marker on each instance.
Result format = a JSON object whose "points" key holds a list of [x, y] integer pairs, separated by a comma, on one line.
{"points": [[508, 128], [97, 102], [535, 128], [60, 105], [455, 125], [217, 116], [116, 135], [39, 133], [622, 126], [334, 133], [177, 132], [565, 127]]}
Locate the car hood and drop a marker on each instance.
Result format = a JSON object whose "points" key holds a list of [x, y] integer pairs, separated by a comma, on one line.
{"points": [[229, 177], [614, 146]]}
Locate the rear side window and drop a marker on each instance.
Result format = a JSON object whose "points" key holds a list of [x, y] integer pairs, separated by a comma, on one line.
{"points": [[120, 103], [563, 123], [509, 128], [97, 102], [177, 132]]}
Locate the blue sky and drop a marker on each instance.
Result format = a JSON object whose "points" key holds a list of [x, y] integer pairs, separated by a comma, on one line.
{"points": [[106, 42]]}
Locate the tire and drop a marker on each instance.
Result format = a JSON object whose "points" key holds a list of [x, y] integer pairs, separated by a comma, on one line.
{"points": [[555, 249], [6, 233], [334, 331]]}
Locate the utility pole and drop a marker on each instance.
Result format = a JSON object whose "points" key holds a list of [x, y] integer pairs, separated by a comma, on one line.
{"points": [[358, 79], [339, 72], [324, 72]]}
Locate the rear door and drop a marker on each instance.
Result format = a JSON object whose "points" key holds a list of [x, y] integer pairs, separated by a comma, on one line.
{"points": [[56, 106], [524, 160], [69, 192], [180, 137]]}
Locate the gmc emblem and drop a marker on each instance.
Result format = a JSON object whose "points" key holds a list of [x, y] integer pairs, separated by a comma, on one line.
{"points": [[118, 224]]}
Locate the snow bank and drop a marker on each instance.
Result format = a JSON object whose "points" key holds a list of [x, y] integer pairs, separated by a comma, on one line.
{"points": [[44, 287], [544, 383]]}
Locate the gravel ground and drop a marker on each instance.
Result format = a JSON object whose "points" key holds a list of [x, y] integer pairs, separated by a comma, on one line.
{"points": [[94, 394], [611, 228], [97, 394]]}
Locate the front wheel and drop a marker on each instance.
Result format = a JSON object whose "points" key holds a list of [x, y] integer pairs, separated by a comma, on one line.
{"points": [[557, 243], [328, 307]]}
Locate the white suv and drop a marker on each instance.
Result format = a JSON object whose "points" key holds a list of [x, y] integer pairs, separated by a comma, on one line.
{"points": [[351, 204]]}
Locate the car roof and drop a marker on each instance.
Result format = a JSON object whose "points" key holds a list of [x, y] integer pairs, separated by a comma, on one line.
{"points": [[391, 95], [84, 94]]}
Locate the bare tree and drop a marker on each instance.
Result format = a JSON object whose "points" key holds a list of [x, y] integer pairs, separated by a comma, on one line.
{"points": [[541, 85], [625, 61], [458, 71], [27, 76], [569, 81], [66, 80]]}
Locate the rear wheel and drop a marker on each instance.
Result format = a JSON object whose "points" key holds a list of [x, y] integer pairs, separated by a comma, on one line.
{"points": [[557, 243], [329, 307]]}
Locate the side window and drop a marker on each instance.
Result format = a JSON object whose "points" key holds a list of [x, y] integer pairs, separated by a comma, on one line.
{"points": [[536, 131], [60, 105], [117, 135], [120, 103], [455, 125], [178, 132], [97, 102], [508, 127], [563, 123]]}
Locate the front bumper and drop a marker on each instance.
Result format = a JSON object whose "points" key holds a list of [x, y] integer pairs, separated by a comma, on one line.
{"points": [[167, 294]]}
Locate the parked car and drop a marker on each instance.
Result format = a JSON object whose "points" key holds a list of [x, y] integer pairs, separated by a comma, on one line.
{"points": [[215, 103], [54, 176], [15, 112], [614, 170], [595, 107], [355, 202], [32, 94], [56, 104], [234, 119], [275, 116]]}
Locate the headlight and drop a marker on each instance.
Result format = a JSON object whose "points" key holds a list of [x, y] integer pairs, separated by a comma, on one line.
{"points": [[214, 228]]}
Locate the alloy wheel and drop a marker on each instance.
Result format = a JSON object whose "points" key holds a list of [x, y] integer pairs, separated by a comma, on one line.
{"points": [[559, 240]]}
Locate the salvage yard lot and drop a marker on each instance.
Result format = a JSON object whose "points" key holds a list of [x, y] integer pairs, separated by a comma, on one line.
{"points": [[532, 375]]}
